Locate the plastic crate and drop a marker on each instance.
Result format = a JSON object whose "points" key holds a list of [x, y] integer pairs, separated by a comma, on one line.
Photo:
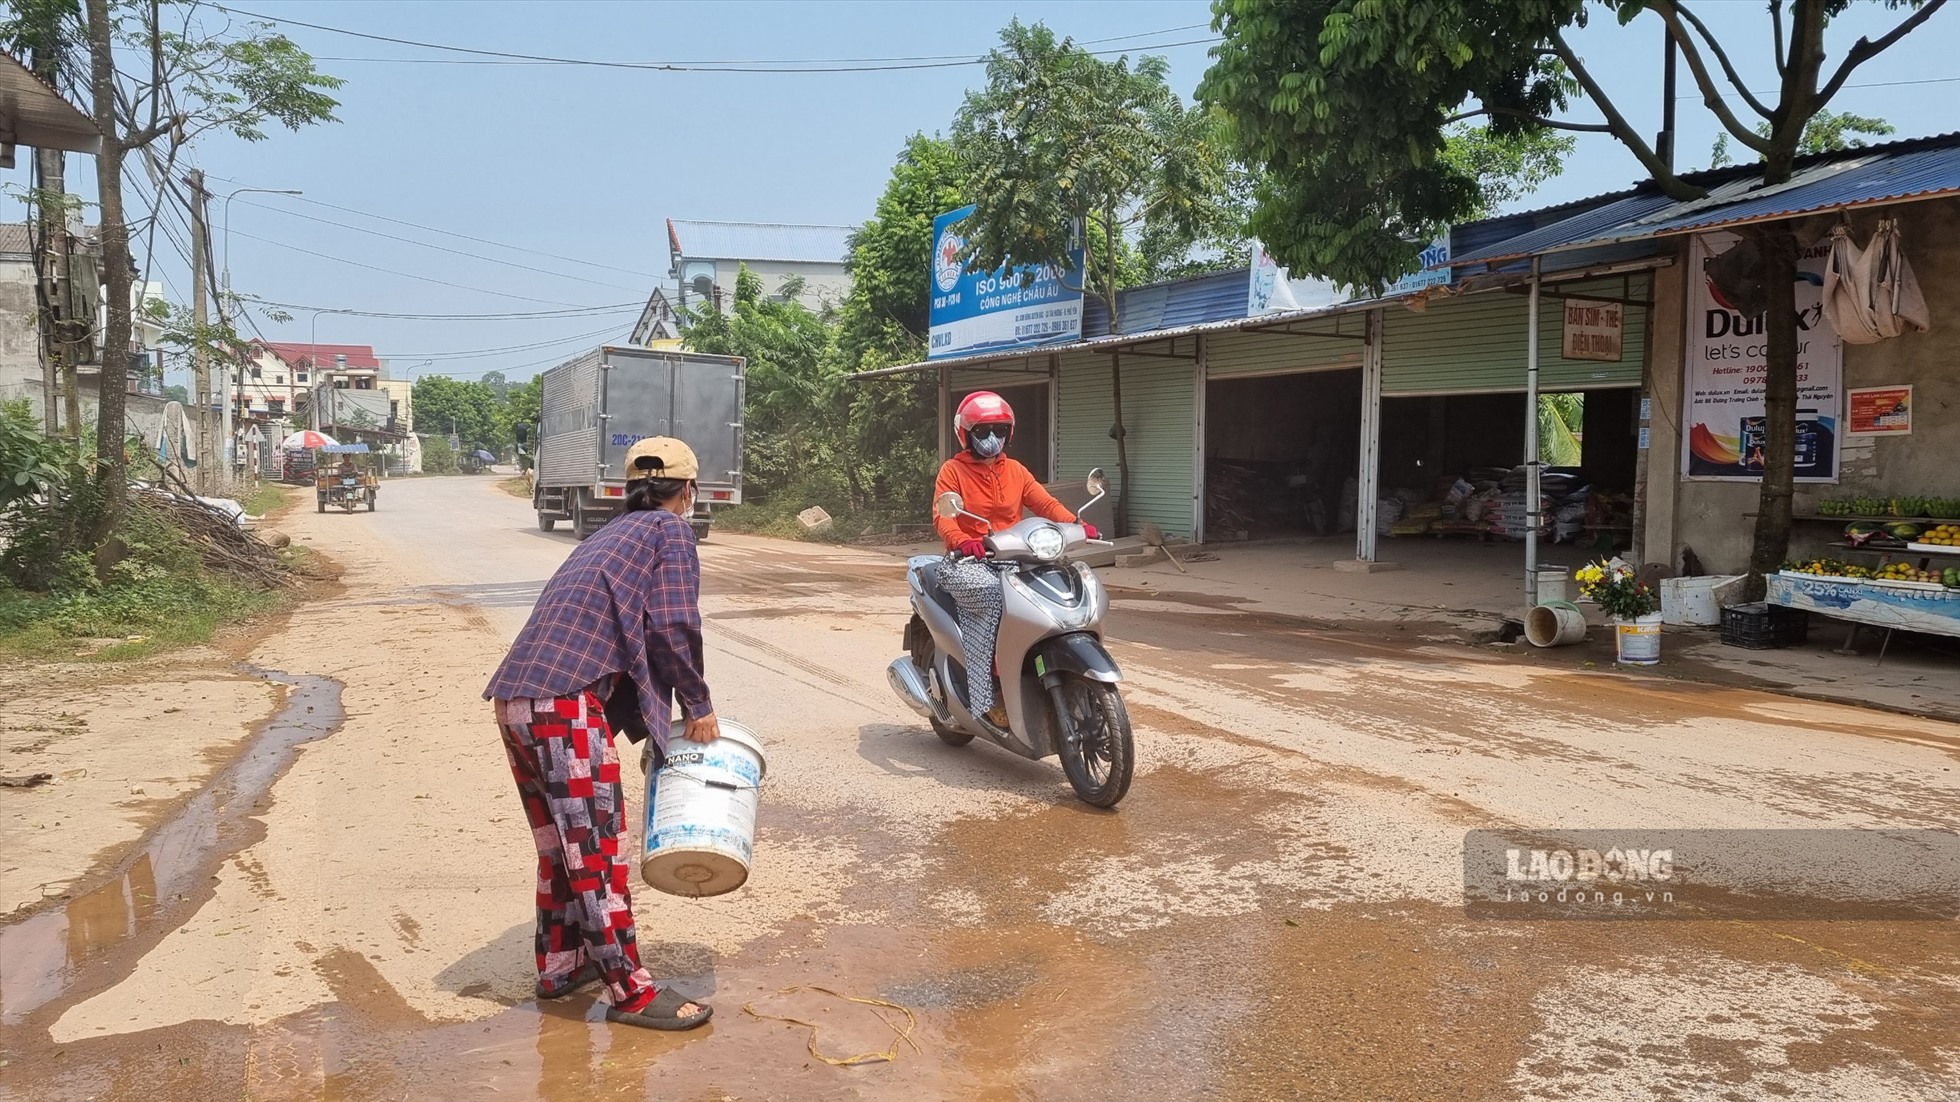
{"points": [[1763, 626]]}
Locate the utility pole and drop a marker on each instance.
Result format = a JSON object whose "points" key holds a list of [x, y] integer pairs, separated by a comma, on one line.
{"points": [[51, 288], [210, 461]]}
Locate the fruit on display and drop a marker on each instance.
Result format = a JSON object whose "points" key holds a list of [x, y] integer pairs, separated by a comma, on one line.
{"points": [[1903, 531], [1941, 535], [1899, 505], [1827, 568], [1950, 577], [1906, 572]]}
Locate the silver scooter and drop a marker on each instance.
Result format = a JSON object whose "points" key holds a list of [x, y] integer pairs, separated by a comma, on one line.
{"points": [[1058, 683]]}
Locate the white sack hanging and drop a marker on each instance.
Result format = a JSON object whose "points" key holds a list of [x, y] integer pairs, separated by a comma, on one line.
{"points": [[1847, 290], [1898, 307]]}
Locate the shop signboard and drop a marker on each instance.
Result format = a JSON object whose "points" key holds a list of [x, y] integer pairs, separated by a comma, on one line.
{"points": [[1879, 411], [1592, 330], [1273, 290], [1002, 311], [1727, 359]]}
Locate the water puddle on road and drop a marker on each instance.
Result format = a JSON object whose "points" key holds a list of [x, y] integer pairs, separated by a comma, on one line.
{"points": [[91, 941]]}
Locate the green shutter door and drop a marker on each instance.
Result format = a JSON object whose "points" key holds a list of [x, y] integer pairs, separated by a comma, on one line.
{"points": [[1243, 354], [1476, 344], [1159, 410]]}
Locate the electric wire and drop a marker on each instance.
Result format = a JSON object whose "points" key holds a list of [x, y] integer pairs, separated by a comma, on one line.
{"points": [[430, 245], [404, 275], [807, 65], [459, 236]]}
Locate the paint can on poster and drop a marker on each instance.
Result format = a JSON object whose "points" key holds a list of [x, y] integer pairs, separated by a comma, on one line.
{"points": [[700, 825]]}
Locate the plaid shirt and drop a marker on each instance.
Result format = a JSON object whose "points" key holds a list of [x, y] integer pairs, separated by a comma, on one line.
{"points": [[626, 602]]}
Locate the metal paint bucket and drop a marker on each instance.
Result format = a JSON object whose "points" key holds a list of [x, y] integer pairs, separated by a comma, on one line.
{"points": [[700, 826]]}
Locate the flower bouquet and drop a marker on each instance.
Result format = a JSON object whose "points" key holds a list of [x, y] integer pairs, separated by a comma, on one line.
{"points": [[1613, 587]]}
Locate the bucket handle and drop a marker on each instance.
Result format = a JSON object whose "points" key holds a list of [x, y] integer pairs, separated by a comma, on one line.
{"points": [[713, 783], [1562, 604]]}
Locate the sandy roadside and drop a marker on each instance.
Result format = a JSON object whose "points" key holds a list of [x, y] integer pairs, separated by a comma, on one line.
{"points": [[125, 744]]}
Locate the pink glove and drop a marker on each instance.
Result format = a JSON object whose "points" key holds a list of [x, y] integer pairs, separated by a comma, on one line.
{"points": [[1089, 530], [972, 549]]}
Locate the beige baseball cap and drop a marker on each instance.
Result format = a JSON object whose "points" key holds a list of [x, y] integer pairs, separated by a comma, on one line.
{"points": [[662, 457]]}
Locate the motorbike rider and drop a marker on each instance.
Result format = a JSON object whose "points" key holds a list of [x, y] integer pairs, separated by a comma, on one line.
{"points": [[998, 488]]}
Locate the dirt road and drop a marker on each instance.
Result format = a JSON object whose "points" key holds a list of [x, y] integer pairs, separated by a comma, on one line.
{"points": [[1274, 912]]}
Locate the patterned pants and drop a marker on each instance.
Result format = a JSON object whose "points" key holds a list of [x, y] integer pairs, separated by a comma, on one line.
{"points": [[975, 587], [561, 752]]}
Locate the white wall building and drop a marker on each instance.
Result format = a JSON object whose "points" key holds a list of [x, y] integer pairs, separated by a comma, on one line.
{"points": [[706, 256]]}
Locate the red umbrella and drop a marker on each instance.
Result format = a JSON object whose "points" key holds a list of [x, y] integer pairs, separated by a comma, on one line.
{"points": [[306, 440]]}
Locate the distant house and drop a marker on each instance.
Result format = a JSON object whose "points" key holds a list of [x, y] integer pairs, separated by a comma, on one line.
{"points": [[659, 325], [707, 255], [282, 374]]}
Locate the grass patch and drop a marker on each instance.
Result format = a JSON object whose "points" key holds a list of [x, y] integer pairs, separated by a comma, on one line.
{"points": [[124, 622], [269, 498], [150, 589], [519, 486]]}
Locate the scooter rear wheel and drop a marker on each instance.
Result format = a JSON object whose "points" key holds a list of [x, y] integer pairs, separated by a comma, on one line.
{"points": [[1098, 753]]}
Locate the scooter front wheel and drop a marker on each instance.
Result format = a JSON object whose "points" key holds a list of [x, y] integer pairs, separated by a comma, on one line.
{"points": [[1098, 753]]}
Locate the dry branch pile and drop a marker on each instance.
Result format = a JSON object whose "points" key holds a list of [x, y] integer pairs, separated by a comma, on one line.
{"points": [[226, 549]]}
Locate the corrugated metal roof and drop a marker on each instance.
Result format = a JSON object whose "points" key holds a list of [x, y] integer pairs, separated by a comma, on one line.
{"points": [[1176, 303], [39, 116], [759, 241], [1920, 168]]}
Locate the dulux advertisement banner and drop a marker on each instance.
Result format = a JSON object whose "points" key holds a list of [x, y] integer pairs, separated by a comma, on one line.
{"points": [[1728, 357], [999, 311]]}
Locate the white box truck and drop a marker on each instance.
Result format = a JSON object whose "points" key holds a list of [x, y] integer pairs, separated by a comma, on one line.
{"points": [[593, 408]]}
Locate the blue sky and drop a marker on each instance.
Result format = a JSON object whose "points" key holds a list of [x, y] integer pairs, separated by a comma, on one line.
{"points": [[584, 163]]}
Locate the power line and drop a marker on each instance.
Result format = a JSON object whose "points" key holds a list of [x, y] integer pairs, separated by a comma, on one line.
{"points": [[480, 353], [459, 236], [404, 275], [824, 65], [579, 312], [429, 245]]}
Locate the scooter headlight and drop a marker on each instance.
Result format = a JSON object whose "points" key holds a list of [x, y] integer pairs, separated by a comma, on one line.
{"points": [[1046, 542]]}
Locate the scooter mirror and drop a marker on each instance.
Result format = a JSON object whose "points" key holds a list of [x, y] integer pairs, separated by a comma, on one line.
{"points": [[1097, 482], [949, 505]]}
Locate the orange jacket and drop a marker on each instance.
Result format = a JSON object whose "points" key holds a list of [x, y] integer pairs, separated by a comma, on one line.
{"points": [[998, 491]]}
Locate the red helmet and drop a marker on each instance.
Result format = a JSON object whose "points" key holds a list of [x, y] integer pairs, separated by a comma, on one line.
{"points": [[983, 408]]}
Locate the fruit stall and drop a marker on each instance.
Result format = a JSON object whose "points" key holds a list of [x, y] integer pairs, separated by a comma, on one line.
{"points": [[1910, 581]]}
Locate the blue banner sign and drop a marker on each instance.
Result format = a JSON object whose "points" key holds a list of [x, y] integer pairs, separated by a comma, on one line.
{"points": [[1001, 311]]}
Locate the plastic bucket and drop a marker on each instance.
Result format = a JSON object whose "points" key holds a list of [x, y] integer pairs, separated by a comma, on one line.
{"points": [[700, 827], [1554, 585], [1554, 625], [1639, 641], [1693, 602]]}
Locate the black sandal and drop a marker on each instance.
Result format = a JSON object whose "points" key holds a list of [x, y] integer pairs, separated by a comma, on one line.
{"points": [[583, 976], [663, 1012]]}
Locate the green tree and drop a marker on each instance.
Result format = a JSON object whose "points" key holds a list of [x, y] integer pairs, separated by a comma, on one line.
{"points": [[1060, 140], [159, 77], [793, 424], [892, 437], [1827, 132], [1345, 105], [1561, 424], [177, 392], [468, 408], [437, 456]]}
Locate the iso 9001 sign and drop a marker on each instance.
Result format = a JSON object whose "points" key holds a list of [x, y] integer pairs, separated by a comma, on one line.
{"points": [[1002, 311]]}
